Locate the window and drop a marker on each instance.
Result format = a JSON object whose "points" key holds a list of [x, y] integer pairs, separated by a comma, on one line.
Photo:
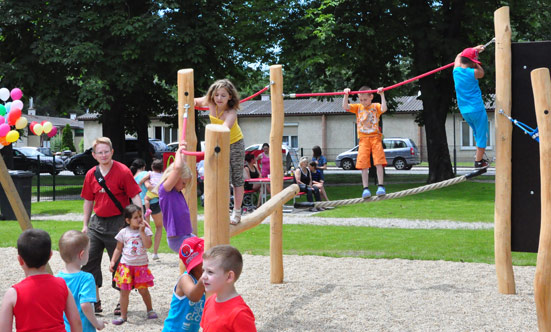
{"points": [[166, 134], [291, 141], [467, 137]]}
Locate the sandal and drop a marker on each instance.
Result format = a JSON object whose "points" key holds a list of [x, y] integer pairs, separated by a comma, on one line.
{"points": [[97, 307], [117, 311], [119, 321], [152, 315]]}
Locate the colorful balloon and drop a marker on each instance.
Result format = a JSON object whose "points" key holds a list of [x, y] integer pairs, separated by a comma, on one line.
{"points": [[21, 123], [37, 129], [3, 110], [47, 127], [31, 126], [16, 94], [8, 107], [17, 104], [12, 136], [4, 94], [13, 116], [3, 141], [2, 119], [52, 132], [4, 129]]}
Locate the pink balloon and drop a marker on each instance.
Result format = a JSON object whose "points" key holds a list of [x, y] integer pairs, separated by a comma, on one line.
{"points": [[2, 120], [17, 104], [52, 132], [4, 129], [16, 94]]}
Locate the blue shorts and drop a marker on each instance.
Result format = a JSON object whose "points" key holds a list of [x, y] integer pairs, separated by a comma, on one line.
{"points": [[478, 121]]}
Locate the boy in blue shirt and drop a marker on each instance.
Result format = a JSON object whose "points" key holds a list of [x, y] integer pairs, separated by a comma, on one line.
{"points": [[188, 298], [74, 247], [467, 71]]}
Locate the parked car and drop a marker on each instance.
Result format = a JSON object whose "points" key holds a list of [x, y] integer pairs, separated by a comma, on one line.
{"points": [[80, 163], [402, 153], [27, 159]]}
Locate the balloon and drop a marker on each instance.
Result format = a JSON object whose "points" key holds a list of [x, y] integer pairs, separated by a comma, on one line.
{"points": [[4, 129], [37, 129], [8, 107], [2, 120], [47, 127], [3, 110], [52, 132], [43, 122], [3, 141], [31, 126], [4, 94], [17, 104], [12, 136], [16, 94], [21, 123], [13, 116]]}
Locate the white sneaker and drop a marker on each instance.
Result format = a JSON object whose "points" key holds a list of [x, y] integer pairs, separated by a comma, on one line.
{"points": [[235, 218], [155, 257]]}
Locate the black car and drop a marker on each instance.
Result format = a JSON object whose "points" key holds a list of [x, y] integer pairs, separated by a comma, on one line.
{"points": [[27, 159], [80, 163]]}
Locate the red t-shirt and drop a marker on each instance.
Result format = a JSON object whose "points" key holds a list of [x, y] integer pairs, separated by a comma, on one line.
{"points": [[120, 182], [232, 315], [41, 301]]}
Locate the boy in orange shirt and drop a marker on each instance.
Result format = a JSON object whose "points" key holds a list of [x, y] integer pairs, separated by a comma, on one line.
{"points": [[367, 118], [225, 310]]}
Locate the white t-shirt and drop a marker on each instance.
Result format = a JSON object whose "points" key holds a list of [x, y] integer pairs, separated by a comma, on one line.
{"points": [[133, 251]]}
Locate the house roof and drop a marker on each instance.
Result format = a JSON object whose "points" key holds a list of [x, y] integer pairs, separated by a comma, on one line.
{"points": [[56, 122]]}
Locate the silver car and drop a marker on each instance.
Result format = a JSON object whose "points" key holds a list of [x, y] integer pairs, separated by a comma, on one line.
{"points": [[402, 153]]}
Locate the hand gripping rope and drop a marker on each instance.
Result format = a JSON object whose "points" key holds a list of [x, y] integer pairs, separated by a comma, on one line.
{"points": [[527, 129], [297, 95]]}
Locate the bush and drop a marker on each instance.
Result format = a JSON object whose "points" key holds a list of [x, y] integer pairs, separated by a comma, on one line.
{"points": [[55, 143], [67, 138], [81, 146]]}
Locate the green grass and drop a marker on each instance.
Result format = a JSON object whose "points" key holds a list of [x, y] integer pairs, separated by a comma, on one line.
{"points": [[70, 206]]}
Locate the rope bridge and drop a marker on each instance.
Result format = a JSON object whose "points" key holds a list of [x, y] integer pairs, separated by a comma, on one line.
{"points": [[398, 194]]}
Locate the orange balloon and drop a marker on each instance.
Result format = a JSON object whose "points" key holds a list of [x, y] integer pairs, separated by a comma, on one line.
{"points": [[3, 141]]}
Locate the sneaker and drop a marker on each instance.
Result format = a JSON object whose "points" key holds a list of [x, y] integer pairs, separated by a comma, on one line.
{"points": [[381, 191], [155, 257], [235, 218], [366, 193], [483, 163], [152, 315], [118, 321]]}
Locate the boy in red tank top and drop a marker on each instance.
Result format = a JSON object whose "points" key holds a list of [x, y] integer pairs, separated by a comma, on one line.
{"points": [[38, 301]]}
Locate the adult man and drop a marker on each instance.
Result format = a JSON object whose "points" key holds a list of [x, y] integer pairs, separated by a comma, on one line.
{"points": [[107, 220]]}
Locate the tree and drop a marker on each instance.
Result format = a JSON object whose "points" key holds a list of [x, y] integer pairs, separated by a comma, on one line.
{"points": [[67, 139]]}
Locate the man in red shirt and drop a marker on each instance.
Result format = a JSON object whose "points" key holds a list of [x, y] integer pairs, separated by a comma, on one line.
{"points": [[107, 220]]}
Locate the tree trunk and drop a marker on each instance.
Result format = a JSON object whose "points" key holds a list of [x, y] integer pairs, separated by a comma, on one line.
{"points": [[143, 138], [113, 127]]}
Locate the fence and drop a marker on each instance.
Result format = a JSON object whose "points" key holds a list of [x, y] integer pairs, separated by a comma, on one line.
{"points": [[49, 185]]}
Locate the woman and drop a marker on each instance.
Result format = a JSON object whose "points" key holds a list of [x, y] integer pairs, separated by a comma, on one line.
{"points": [[251, 172], [264, 159], [303, 178], [321, 161]]}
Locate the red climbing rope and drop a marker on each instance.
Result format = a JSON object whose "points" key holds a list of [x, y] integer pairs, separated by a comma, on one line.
{"points": [[241, 101]]}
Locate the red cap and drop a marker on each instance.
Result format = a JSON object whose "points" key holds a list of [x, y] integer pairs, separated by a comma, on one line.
{"points": [[191, 252], [471, 53]]}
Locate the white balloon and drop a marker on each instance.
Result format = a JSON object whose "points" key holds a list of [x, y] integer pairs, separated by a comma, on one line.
{"points": [[17, 104], [4, 94]]}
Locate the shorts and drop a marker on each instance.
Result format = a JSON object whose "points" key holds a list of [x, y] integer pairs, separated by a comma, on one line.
{"points": [[237, 162], [175, 242], [370, 145], [128, 277], [155, 208], [478, 121]]}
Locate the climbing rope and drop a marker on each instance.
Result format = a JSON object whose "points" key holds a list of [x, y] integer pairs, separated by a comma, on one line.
{"points": [[534, 133], [241, 101], [398, 194]]}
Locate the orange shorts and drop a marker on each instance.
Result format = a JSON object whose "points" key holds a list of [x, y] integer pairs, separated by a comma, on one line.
{"points": [[370, 145]]}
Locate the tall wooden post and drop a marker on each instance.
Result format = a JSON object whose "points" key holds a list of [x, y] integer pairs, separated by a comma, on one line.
{"points": [[503, 132], [541, 85], [217, 189], [276, 173], [185, 101]]}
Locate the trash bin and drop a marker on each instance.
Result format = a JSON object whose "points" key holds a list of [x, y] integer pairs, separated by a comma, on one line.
{"points": [[23, 183]]}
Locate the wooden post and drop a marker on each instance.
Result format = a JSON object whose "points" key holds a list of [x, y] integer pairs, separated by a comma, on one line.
{"points": [[185, 101], [503, 133], [15, 201], [276, 173], [541, 85], [217, 188]]}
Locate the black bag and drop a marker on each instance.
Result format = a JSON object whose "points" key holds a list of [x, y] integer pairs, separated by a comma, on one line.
{"points": [[102, 183]]}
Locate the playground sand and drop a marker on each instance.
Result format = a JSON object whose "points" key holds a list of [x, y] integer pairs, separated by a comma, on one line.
{"points": [[343, 294]]}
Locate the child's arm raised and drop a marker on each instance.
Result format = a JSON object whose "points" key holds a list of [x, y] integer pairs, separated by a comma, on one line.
{"points": [[381, 93], [191, 290], [478, 71], [345, 99], [71, 312], [6, 310], [88, 310], [116, 255], [201, 102], [175, 175]]}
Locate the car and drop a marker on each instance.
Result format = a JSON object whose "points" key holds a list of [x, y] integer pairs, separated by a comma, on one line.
{"points": [[402, 153], [27, 159], [80, 163]]}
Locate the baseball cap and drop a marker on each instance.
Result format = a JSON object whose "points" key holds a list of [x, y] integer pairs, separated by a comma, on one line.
{"points": [[471, 53], [191, 252]]}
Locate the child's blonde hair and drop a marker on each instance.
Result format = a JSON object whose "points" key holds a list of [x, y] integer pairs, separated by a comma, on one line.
{"points": [[231, 259], [185, 174], [71, 243], [233, 103], [102, 140]]}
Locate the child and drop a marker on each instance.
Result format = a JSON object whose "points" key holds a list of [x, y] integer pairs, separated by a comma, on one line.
{"points": [[151, 202], [74, 247], [132, 272], [188, 298], [176, 218], [38, 301], [223, 102], [466, 72], [225, 310], [317, 179], [367, 119]]}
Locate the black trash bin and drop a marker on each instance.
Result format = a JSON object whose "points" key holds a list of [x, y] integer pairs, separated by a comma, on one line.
{"points": [[23, 183]]}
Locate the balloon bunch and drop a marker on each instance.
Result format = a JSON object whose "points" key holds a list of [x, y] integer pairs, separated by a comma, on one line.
{"points": [[45, 127], [10, 116]]}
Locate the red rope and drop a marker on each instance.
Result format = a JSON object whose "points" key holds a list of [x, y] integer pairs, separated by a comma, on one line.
{"points": [[297, 95], [241, 101]]}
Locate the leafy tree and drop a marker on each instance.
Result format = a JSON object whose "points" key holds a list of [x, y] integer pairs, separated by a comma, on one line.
{"points": [[67, 139]]}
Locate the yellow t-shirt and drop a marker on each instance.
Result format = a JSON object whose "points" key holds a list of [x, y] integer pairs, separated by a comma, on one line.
{"points": [[235, 131], [367, 118]]}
